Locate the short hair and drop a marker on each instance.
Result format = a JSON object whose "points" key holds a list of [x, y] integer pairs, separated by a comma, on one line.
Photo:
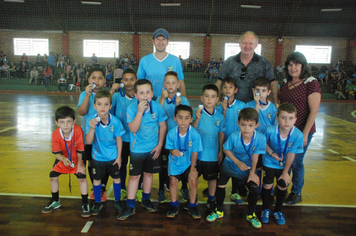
{"points": [[171, 73], [288, 107], [262, 82], [94, 69], [142, 82], [181, 107], [129, 71], [248, 32], [211, 87], [248, 114], [230, 81], [298, 58], [64, 112], [103, 94]]}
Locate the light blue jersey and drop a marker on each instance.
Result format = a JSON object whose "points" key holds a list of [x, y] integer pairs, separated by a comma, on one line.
{"points": [[209, 127], [266, 116], [104, 143], [119, 109], [146, 138], [169, 108], [152, 69], [295, 145], [91, 110], [177, 165], [243, 151], [232, 114]]}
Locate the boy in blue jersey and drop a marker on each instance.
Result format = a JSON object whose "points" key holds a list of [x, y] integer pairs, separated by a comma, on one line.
{"points": [[147, 123], [169, 99], [183, 143], [242, 149], [96, 81], [104, 132], [283, 142], [210, 123], [231, 108]]}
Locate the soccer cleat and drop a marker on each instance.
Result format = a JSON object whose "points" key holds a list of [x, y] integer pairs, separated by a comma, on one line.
{"points": [[193, 211], [185, 194], [51, 206], [123, 194], [293, 198], [172, 212], [254, 221], [96, 208], [162, 196], [279, 216], [139, 195], [86, 210], [119, 205], [235, 197], [103, 196], [214, 215], [265, 216], [148, 205], [126, 212]]}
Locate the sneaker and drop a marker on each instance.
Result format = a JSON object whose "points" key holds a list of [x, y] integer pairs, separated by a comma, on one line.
{"points": [[279, 218], [235, 197], [119, 205], [51, 206], [92, 196], [211, 205], [293, 198], [103, 196], [214, 215], [148, 205], [162, 196], [172, 212], [185, 194], [86, 210], [123, 194], [254, 221], [193, 211], [265, 216], [96, 208], [139, 195], [126, 212], [206, 192]]}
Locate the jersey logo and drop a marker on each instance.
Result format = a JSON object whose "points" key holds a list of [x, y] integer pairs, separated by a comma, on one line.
{"points": [[190, 143], [253, 148], [290, 144], [169, 68], [153, 116], [94, 171], [111, 129], [269, 115], [217, 123], [131, 167], [238, 111], [75, 144]]}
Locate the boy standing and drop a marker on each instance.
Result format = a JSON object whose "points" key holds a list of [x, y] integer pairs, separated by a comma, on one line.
{"points": [[242, 149], [104, 132], [67, 146], [283, 142]]}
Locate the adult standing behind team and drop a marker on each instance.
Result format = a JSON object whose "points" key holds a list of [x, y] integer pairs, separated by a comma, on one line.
{"points": [[154, 66], [246, 67]]}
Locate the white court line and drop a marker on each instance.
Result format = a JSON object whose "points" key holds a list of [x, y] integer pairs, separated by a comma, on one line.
{"points": [[4, 130], [87, 227], [349, 158], [330, 150]]}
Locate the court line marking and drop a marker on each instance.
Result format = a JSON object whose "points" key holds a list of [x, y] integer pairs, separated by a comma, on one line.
{"points": [[10, 128], [349, 158], [353, 113], [87, 227], [330, 150]]}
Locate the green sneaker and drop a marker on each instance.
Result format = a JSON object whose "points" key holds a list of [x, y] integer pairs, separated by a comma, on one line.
{"points": [[214, 215], [123, 194], [119, 205], [139, 195], [86, 210], [236, 199], [194, 212], [126, 212], [254, 221], [51, 206], [172, 212], [96, 208]]}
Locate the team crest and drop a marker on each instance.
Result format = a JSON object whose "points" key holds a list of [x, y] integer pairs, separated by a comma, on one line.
{"points": [[269, 115], [131, 167], [238, 111], [190, 143], [169, 68], [253, 149], [111, 129], [75, 144], [154, 115], [290, 144], [217, 123], [94, 171]]}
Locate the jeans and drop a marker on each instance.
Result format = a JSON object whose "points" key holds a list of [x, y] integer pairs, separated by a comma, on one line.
{"points": [[62, 84], [47, 81], [298, 168]]}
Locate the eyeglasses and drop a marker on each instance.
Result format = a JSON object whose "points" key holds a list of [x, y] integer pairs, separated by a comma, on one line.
{"points": [[243, 73]]}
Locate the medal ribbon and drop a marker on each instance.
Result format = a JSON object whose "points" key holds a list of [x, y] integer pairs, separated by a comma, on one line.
{"points": [[185, 140], [285, 146], [249, 148]]}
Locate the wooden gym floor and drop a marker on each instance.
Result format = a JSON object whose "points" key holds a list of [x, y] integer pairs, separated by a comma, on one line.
{"points": [[26, 125]]}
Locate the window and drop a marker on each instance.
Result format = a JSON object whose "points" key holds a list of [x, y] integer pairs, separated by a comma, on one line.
{"points": [[315, 54], [178, 48], [232, 49], [30, 46], [101, 48]]}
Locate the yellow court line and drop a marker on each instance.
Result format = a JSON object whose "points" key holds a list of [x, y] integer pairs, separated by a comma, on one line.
{"points": [[10, 128]]}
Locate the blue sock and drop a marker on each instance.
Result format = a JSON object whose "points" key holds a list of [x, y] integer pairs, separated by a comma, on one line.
{"points": [[131, 203], [117, 191], [259, 174], [211, 198], [192, 205], [175, 204], [97, 192], [146, 196]]}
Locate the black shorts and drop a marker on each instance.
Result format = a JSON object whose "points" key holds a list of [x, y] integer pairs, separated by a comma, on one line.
{"points": [[270, 173], [143, 162], [125, 153], [87, 153], [102, 168], [165, 155], [209, 169], [184, 176], [54, 174], [259, 162]]}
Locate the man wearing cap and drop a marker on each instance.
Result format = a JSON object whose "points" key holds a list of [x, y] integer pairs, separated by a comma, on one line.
{"points": [[154, 66]]}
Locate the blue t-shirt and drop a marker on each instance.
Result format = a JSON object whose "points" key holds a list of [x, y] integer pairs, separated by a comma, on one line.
{"points": [[104, 143], [152, 69], [146, 138], [266, 116], [170, 108], [177, 165], [231, 117], [119, 109], [51, 59], [243, 151], [91, 110], [209, 127], [295, 145]]}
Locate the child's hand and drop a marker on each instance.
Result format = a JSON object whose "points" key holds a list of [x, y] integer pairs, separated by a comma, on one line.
{"points": [[114, 87], [176, 153], [89, 89], [198, 113], [142, 106], [93, 123], [164, 93], [178, 100], [81, 169], [118, 162], [285, 177], [157, 152], [256, 95], [253, 177], [220, 157], [224, 104], [66, 161], [242, 166], [276, 157], [193, 173]]}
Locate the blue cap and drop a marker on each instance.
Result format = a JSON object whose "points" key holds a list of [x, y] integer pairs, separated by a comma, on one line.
{"points": [[161, 32]]}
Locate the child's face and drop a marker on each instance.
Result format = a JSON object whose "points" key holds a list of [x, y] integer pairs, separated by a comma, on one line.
{"points": [[247, 127], [183, 119], [171, 84], [144, 92], [66, 124], [102, 106], [286, 120], [229, 89], [264, 92], [98, 78], [209, 98], [129, 81]]}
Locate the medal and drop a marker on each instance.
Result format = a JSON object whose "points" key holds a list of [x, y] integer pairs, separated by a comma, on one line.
{"points": [[94, 86], [121, 89], [178, 94], [281, 163], [98, 118], [181, 154], [72, 165], [226, 98], [257, 94]]}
